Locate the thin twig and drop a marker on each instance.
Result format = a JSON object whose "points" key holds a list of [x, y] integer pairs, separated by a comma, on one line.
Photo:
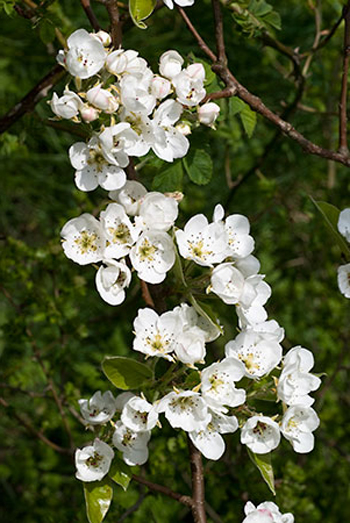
{"points": [[146, 295], [116, 26], [318, 32], [343, 142], [90, 14], [219, 32], [133, 508], [181, 498], [26, 424], [198, 491]]}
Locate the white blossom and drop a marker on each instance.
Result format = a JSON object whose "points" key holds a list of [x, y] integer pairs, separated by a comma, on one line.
{"points": [[190, 347], [92, 169], [157, 212], [297, 426], [218, 383], [153, 256], [267, 512], [103, 37], [93, 462], [160, 87], [169, 143], [202, 242], [116, 141], [99, 409], [111, 280], [255, 313], [67, 106], [344, 223], [259, 353], [102, 99], [132, 444], [83, 239], [120, 233], [120, 61], [240, 243], [136, 93], [209, 440], [208, 113], [344, 279], [139, 415], [261, 434], [170, 64], [230, 285], [156, 335], [181, 3], [130, 196], [85, 56], [185, 410], [88, 113], [189, 86]]}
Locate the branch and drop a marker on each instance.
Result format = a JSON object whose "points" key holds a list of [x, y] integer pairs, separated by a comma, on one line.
{"points": [[343, 143], [116, 26], [219, 33], [90, 14], [28, 103], [146, 295], [198, 491], [185, 500], [26, 424]]}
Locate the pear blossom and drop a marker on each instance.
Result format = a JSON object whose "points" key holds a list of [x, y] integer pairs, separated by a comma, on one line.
{"points": [[88, 113], [189, 86], [153, 256], [297, 426], [261, 434], [259, 353], [103, 37], [120, 61], [136, 93], [139, 415], [156, 335], [85, 56], [255, 313], [92, 169], [344, 223], [209, 440], [208, 113], [181, 3], [295, 381], [132, 444], [160, 87], [93, 462], [190, 347], [102, 99], [116, 141], [83, 239], [229, 284], [157, 212], [130, 196], [111, 280], [170, 64], [99, 409], [267, 512], [218, 383], [202, 242], [240, 243], [145, 130], [190, 319], [344, 279], [67, 106], [169, 143], [120, 233], [185, 410]]}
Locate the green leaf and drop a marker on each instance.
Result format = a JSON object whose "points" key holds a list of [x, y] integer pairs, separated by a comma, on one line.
{"points": [[120, 473], [204, 310], [273, 19], [170, 179], [248, 118], [140, 10], [126, 373], [236, 105], [259, 7], [98, 497], [199, 166], [330, 215], [263, 463]]}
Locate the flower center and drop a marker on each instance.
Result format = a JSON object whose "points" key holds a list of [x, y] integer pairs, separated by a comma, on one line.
{"points": [[86, 242]]}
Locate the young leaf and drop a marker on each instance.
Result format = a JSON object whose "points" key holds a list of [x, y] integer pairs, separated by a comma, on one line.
{"points": [[126, 373], [330, 215], [170, 179], [140, 10], [248, 118], [199, 166], [263, 463], [120, 473], [98, 497], [204, 310], [236, 105]]}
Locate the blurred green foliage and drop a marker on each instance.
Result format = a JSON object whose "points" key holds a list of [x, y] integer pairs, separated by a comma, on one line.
{"points": [[50, 309]]}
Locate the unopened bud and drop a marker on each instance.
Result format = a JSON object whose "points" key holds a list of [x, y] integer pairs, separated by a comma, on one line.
{"points": [[208, 113]]}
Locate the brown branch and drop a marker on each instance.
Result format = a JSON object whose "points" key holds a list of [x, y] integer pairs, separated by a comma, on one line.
{"points": [[116, 25], [219, 33], [198, 491], [28, 103], [27, 425], [181, 498], [343, 142], [90, 14], [146, 295]]}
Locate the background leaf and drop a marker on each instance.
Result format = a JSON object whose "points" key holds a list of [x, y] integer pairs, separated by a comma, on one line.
{"points": [[140, 10], [199, 166], [126, 373]]}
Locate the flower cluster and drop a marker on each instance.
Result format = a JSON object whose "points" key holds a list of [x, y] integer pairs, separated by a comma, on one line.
{"points": [[344, 270], [137, 110], [222, 396]]}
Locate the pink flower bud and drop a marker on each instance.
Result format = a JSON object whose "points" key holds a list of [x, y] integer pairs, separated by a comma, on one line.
{"points": [[208, 113], [89, 113]]}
